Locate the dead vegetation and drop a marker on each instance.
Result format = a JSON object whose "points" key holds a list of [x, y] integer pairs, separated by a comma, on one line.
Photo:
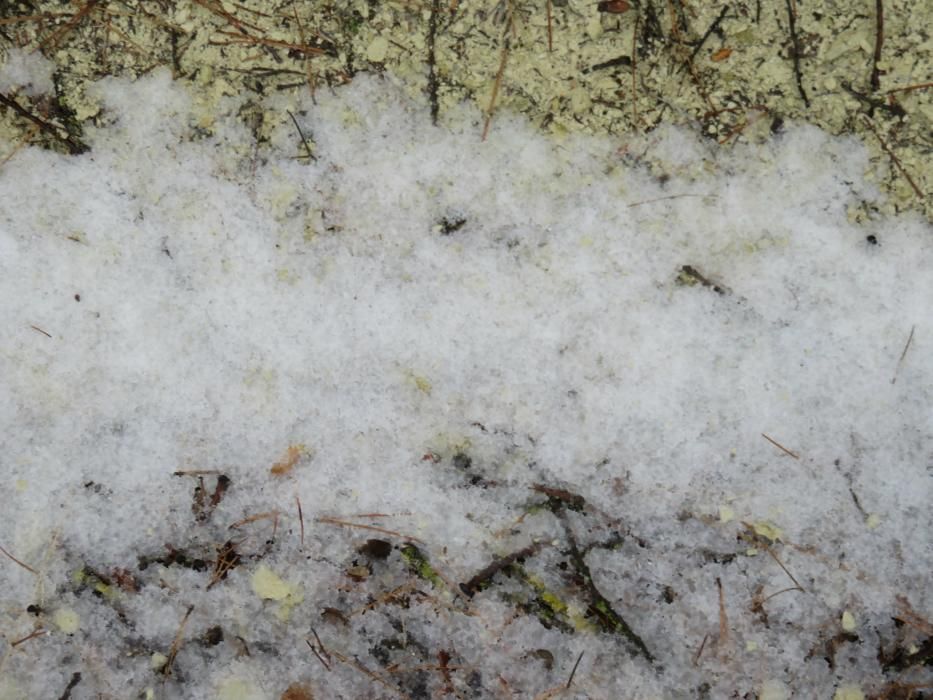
{"points": [[611, 68], [405, 581]]}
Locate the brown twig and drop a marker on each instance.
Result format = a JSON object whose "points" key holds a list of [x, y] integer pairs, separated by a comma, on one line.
{"points": [[374, 528], [723, 618], [290, 462], [780, 446], [635, 71], [550, 31], [37, 633], [432, 61], [696, 657], [792, 19], [374, 676], [895, 159], [503, 60], [176, 643], [909, 88], [75, 146], [573, 671], [25, 566], [52, 41], [301, 520], [486, 573], [879, 43], [903, 354]]}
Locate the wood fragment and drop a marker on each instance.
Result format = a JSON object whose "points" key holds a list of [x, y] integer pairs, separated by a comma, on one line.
{"points": [[486, 573], [795, 40], [600, 607], [550, 32], [14, 559], [432, 61], [780, 446], [903, 354], [879, 43], [39, 330]]}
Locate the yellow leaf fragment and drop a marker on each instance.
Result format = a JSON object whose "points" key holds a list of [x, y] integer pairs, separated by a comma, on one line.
{"points": [[848, 621], [66, 620], [849, 692], [726, 514], [268, 585], [767, 529]]}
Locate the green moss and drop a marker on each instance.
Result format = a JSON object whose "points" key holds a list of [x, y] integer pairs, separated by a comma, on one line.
{"points": [[419, 565]]}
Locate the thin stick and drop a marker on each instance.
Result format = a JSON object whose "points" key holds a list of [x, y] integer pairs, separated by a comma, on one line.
{"points": [[780, 446], [894, 158], [315, 652], [75, 147], [495, 86], [550, 33], [908, 88], [781, 564], [634, 71], [384, 531], [670, 196], [301, 520], [901, 360], [777, 593], [574, 669], [879, 43], [25, 566], [723, 619], [374, 676], [52, 41], [37, 633], [792, 18], [432, 61], [696, 657], [176, 643], [311, 156], [254, 518], [308, 70]]}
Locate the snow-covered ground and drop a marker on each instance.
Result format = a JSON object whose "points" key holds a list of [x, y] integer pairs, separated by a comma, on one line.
{"points": [[672, 377]]}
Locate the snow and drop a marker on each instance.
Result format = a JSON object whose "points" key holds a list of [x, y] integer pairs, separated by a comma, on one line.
{"points": [[185, 298]]}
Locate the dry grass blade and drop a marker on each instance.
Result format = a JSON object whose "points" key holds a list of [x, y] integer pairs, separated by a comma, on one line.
{"points": [[373, 528], [780, 446], [25, 566], [176, 643]]}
